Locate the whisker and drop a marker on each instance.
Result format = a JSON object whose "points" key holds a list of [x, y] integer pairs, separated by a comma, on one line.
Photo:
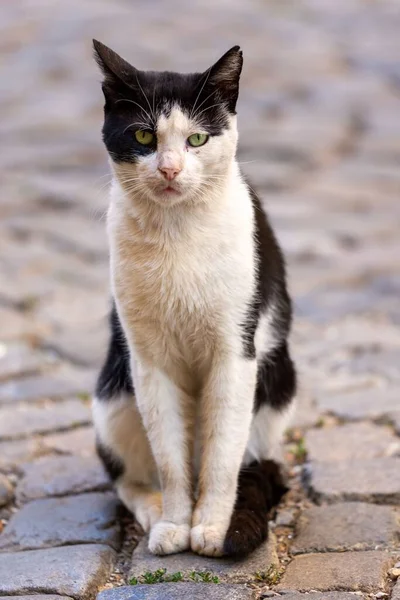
{"points": [[105, 185], [137, 104], [205, 100], [154, 99], [145, 125], [102, 177], [147, 100], [208, 108], [201, 89]]}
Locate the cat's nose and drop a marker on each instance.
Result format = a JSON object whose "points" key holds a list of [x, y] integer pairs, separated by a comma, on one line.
{"points": [[169, 172]]}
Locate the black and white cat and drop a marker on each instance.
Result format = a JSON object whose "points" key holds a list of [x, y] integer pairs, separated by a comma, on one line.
{"points": [[197, 386]]}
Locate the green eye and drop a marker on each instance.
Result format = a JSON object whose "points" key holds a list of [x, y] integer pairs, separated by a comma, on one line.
{"points": [[144, 137], [197, 139]]}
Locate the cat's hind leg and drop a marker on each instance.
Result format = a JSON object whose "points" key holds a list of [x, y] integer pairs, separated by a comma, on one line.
{"points": [[124, 449], [122, 443], [273, 405]]}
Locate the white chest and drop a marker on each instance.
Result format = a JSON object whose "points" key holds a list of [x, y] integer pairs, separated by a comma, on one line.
{"points": [[180, 301]]}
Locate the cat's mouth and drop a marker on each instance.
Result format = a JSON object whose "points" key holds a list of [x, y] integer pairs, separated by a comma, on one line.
{"points": [[169, 190]]}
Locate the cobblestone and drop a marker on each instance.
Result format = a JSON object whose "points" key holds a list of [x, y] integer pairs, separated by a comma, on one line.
{"points": [[347, 526], [59, 476], [15, 453], [317, 596], [54, 386], [226, 569], [353, 571], [18, 326], [361, 404], [76, 571], [319, 137], [181, 591], [79, 441], [374, 480], [23, 420], [18, 360], [351, 442], [396, 591], [83, 519], [83, 345], [38, 597]]}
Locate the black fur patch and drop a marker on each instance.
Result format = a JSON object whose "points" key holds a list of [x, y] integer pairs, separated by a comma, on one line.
{"points": [[271, 281], [260, 488], [135, 99], [112, 464], [276, 379], [115, 376]]}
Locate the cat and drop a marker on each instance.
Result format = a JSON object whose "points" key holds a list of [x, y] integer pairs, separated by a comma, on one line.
{"points": [[198, 384]]}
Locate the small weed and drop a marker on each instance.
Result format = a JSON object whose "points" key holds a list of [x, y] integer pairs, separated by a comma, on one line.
{"points": [[300, 451], [84, 396], [175, 577], [271, 576], [203, 577], [155, 576], [159, 576]]}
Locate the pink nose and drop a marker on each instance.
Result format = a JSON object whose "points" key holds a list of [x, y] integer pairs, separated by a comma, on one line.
{"points": [[169, 172]]}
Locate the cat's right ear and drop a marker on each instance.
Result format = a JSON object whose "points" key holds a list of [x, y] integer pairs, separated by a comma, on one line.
{"points": [[118, 73]]}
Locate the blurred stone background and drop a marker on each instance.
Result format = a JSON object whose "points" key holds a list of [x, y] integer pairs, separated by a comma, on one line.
{"points": [[319, 120]]}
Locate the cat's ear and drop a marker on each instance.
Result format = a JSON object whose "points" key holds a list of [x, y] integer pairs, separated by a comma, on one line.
{"points": [[225, 75], [118, 73]]}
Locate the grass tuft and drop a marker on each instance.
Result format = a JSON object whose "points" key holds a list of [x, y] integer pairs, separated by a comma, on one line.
{"points": [[159, 576], [203, 577], [300, 450]]}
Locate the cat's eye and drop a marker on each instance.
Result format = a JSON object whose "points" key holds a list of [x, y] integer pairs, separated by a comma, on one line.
{"points": [[197, 139], [144, 137]]}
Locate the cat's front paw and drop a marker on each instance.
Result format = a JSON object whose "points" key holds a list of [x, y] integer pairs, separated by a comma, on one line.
{"points": [[208, 540], [168, 538]]}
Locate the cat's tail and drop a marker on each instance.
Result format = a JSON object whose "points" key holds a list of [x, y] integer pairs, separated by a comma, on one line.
{"points": [[260, 488]]}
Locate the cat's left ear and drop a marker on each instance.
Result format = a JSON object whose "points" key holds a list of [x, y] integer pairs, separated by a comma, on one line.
{"points": [[225, 75]]}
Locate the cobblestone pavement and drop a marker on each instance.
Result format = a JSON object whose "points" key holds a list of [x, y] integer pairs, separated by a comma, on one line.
{"points": [[320, 122]]}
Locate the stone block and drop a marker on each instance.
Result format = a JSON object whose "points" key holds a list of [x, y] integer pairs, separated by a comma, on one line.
{"points": [[77, 571], [351, 571], [82, 519], [61, 476]]}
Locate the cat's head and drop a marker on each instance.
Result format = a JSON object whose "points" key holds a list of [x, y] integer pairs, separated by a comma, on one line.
{"points": [[171, 137]]}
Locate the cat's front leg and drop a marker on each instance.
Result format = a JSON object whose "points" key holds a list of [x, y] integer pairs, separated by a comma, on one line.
{"points": [[226, 410], [165, 411]]}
